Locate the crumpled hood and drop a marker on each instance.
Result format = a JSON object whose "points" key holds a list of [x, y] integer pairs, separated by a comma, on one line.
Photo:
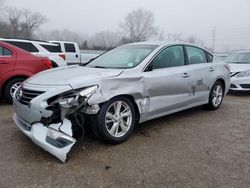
{"points": [[239, 67], [71, 75]]}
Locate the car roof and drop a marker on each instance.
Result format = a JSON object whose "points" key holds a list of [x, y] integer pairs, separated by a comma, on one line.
{"points": [[166, 43], [61, 41], [28, 40]]}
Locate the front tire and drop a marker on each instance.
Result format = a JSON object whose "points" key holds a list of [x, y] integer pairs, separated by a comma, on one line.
{"points": [[115, 121], [10, 88], [216, 96]]}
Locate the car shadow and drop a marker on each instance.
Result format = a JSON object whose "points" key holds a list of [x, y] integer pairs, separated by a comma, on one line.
{"points": [[4, 102]]}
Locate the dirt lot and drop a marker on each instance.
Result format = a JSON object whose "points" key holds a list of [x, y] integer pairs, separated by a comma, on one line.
{"points": [[194, 148]]}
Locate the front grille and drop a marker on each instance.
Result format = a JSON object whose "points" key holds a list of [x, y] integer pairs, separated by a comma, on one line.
{"points": [[24, 96], [245, 86]]}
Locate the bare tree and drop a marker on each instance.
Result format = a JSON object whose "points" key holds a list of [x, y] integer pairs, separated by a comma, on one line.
{"points": [[175, 37], [23, 23], [14, 19], [105, 40], [195, 40], [66, 35], [30, 22], [138, 26], [2, 3], [4, 27], [162, 35]]}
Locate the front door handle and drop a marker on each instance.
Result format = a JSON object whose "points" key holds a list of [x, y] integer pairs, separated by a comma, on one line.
{"points": [[185, 75], [211, 69]]}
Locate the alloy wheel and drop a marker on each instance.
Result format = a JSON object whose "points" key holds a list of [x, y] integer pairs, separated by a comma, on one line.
{"points": [[14, 87], [217, 95], [118, 119]]}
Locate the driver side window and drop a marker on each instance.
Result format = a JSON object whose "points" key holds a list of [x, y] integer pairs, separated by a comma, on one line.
{"points": [[170, 57]]}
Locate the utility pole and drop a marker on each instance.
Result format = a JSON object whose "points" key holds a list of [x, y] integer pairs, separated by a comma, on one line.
{"points": [[213, 39]]}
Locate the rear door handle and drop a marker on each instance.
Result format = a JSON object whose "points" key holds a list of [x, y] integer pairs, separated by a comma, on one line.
{"points": [[185, 75], [211, 69]]}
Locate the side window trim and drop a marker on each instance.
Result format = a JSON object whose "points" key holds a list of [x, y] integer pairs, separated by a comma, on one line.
{"points": [[20, 44], [185, 46], [186, 55], [207, 55], [149, 64], [3, 55]]}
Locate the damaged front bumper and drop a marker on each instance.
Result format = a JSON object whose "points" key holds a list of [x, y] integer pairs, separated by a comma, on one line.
{"points": [[51, 129], [56, 138]]}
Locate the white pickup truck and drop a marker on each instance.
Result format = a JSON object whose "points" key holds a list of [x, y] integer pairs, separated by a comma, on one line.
{"points": [[73, 53]]}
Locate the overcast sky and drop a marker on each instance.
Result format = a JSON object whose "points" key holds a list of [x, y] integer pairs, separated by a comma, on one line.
{"points": [[231, 18]]}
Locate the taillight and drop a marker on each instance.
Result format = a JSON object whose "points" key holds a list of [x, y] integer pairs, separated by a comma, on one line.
{"points": [[227, 67], [62, 56], [47, 62]]}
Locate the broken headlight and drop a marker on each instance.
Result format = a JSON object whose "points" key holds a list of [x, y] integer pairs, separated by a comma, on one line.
{"points": [[74, 98]]}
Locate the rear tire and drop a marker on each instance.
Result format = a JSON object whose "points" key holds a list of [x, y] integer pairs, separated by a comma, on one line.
{"points": [[216, 96], [10, 88], [115, 121]]}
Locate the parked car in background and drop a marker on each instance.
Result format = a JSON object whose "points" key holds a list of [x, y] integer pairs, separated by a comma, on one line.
{"points": [[40, 48], [130, 84], [239, 63], [73, 53], [15, 66]]}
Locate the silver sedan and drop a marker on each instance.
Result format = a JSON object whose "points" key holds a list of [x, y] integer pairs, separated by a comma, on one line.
{"points": [[111, 94]]}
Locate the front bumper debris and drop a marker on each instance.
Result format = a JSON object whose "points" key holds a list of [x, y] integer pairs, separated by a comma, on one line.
{"points": [[56, 138]]}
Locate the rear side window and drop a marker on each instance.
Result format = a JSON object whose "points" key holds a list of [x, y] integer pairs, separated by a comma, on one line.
{"points": [[52, 48], [170, 57], [209, 57], [59, 45], [5, 52], [69, 47], [24, 45], [196, 55]]}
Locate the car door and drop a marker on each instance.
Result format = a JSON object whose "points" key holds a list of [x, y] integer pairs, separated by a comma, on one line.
{"points": [[7, 62], [167, 82], [72, 53], [201, 69]]}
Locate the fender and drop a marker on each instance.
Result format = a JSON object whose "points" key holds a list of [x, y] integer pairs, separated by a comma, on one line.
{"points": [[13, 74]]}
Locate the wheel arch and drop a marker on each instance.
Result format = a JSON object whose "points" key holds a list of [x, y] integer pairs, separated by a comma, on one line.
{"points": [[9, 79], [222, 81], [132, 99]]}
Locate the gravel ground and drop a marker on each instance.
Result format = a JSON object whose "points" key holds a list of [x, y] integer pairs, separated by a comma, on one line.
{"points": [[193, 148]]}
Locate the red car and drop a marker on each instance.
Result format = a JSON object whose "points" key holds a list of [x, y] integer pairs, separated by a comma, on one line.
{"points": [[15, 66]]}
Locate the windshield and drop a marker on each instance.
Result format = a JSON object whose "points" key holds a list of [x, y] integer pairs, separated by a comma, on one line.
{"points": [[124, 57], [241, 58]]}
